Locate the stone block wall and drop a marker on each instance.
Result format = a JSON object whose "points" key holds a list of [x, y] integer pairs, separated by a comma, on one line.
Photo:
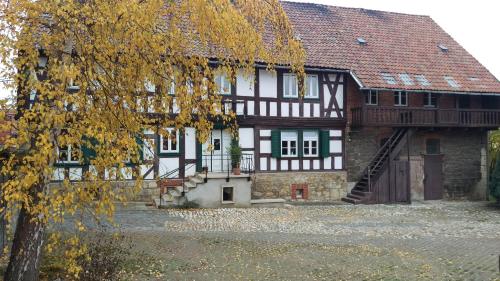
{"points": [[321, 186]]}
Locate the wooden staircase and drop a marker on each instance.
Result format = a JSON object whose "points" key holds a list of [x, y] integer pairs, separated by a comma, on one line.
{"points": [[362, 192]]}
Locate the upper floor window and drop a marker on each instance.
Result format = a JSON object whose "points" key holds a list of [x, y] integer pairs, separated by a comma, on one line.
{"points": [[289, 140], [430, 100], [290, 86], [311, 87], [223, 84], [371, 97], [310, 141], [433, 146], [68, 154], [169, 144], [400, 98]]}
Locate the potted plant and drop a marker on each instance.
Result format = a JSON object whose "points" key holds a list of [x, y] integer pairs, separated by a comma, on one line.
{"points": [[235, 151]]}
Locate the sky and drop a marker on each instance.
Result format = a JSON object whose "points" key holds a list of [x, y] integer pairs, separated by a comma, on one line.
{"points": [[473, 24]]}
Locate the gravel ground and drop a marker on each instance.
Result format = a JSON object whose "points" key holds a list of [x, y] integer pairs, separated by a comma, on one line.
{"points": [[424, 241]]}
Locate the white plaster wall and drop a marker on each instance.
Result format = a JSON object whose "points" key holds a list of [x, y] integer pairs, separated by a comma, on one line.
{"points": [[273, 164], [267, 84], [209, 195], [295, 165], [273, 109], [316, 112], [240, 108], [190, 171], [295, 110], [284, 165], [316, 164], [58, 174], [144, 170], [265, 133], [250, 107], [75, 174], [285, 109], [244, 84], [149, 149], [335, 133], [263, 163], [306, 164], [340, 96], [168, 164], [190, 143], [307, 110], [337, 163], [335, 146], [265, 146], [263, 108], [246, 137], [327, 164]]}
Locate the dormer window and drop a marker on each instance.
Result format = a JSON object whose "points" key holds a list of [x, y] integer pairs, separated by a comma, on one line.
{"points": [[443, 48], [451, 82], [389, 79], [361, 41], [406, 79]]}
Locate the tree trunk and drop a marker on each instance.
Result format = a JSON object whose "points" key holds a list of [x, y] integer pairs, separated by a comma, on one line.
{"points": [[26, 252]]}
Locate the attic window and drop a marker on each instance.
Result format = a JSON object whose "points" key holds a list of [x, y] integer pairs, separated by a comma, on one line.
{"points": [[389, 79], [406, 79], [474, 79], [361, 41], [451, 82], [443, 48], [422, 80]]}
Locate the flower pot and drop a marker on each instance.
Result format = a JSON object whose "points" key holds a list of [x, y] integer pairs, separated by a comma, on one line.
{"points": [[236, 171]]}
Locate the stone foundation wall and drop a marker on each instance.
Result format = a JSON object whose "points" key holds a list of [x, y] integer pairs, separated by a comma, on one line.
{"points": [[318, 186]]}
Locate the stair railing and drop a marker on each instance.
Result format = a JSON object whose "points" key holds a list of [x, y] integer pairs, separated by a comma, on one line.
{"points": [[170, 175], [382, 153]]}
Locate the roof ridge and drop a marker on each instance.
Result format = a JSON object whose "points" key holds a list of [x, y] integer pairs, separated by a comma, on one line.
{"points": [[352, 8]]}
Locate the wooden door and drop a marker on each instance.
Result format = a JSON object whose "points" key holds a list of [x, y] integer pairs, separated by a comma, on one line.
{"points": [[433, 177], [216, 151]]}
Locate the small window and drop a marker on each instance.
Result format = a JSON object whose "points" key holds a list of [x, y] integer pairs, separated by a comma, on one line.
{"points": [[430, 100], [406, 79], [311, 89], [422, 80], [451, 82], [149, 86], [171, 88], [299, 193], [389, 79], [433, 146], [227, 194], [400, 98], [68, 154], [311, 140], [170, 144], [289, 143], [371, 97], [290, 86], [216, 144], [223, 84]]}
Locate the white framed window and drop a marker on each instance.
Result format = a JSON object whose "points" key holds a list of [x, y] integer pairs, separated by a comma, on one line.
{"points": [[430, 100], [290, 86], [400, 98], [170, 144], [223, 84], [171, 88], [310, 141], [289, 143], [371, 97], [311, 87], [67, 154]]}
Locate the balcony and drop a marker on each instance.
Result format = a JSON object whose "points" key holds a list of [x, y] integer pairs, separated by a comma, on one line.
{"points": [[424, 117]]}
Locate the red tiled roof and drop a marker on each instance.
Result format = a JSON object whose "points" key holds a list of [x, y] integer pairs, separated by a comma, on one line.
{"points": [[395, 44]]}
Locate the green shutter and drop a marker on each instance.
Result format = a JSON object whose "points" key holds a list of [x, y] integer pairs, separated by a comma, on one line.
{"points": [[276, 143], [140, 144], [88, 149], [324, 141]]}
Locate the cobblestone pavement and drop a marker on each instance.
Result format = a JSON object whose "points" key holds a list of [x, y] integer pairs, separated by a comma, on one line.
{"points": [[433, 240]]}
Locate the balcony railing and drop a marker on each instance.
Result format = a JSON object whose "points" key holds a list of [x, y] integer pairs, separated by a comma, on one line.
{"points": [[424, 117]]}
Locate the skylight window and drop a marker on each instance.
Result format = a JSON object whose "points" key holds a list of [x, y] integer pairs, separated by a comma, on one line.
{"points": [[389, 79], [443, 48], [474, 79], [422, 80], [361, 41], [406, 79], [451, 82]]}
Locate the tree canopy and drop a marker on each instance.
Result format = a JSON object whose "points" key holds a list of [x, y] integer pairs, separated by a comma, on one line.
{"points": [[94, 75]]}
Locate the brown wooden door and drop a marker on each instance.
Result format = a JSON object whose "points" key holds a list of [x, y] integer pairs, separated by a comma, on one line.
{"points": [[433, 177]]}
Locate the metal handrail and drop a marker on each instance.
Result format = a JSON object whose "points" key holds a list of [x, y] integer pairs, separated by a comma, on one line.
{"points": [[225, 161]]}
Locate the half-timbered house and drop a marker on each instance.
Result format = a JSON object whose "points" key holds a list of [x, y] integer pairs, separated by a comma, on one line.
{"points": [[394, 109]]}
